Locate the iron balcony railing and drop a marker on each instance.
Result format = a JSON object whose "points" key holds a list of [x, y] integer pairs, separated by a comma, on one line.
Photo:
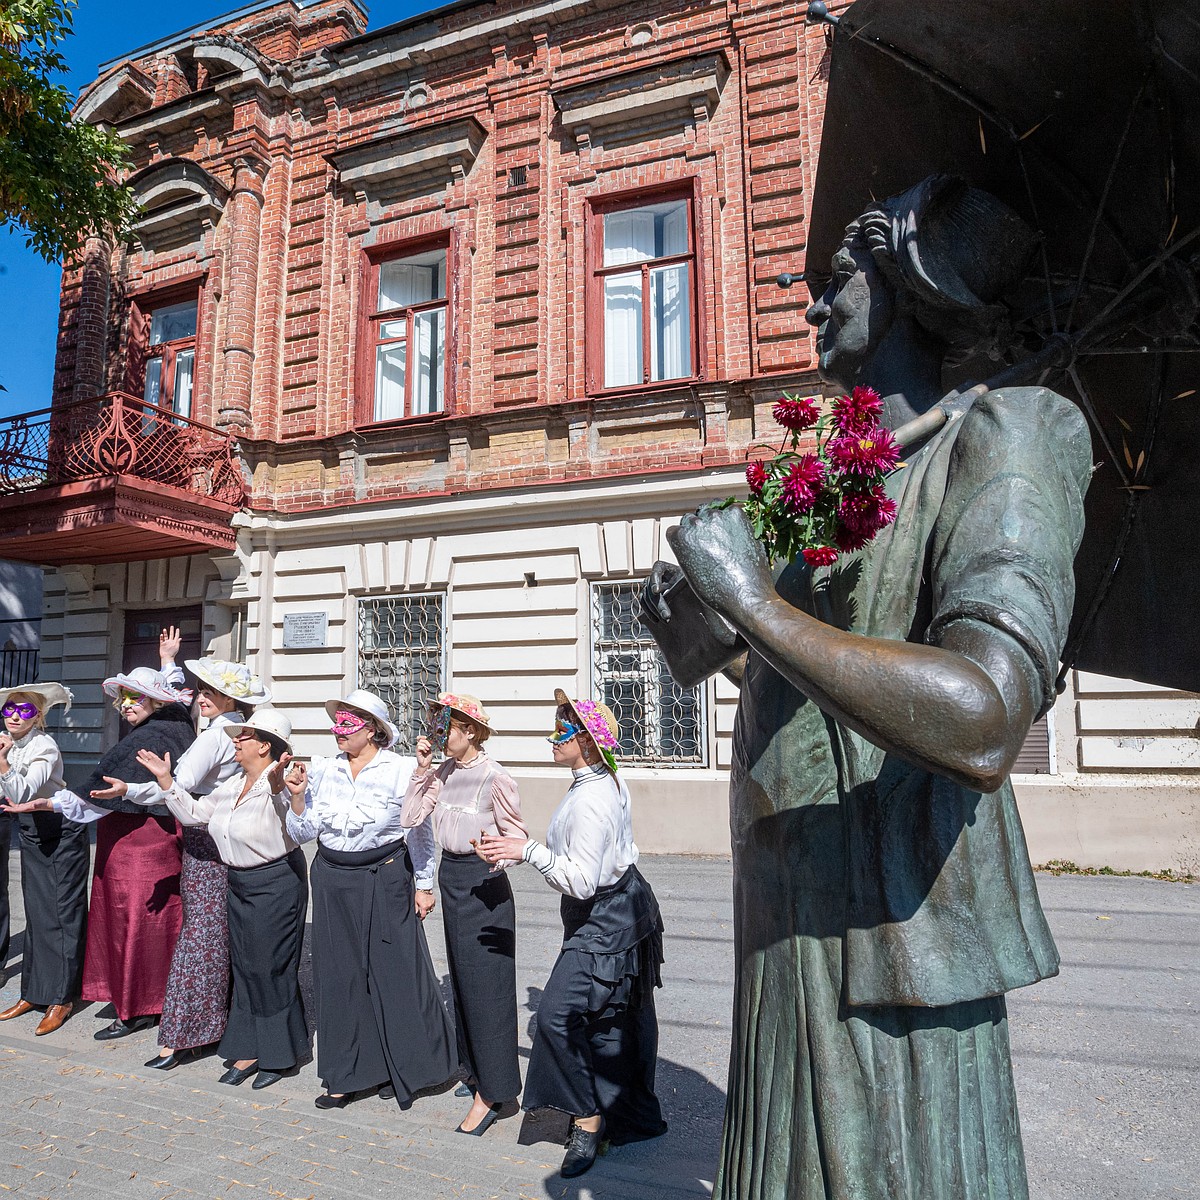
{"points": [[118, 434]]}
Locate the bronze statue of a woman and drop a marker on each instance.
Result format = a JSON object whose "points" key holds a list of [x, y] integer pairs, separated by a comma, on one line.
{"points": [[883, 893]]}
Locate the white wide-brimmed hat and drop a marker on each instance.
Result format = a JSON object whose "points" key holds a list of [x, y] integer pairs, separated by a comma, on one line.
{"points": [[231, 679], [146, 681], [366, 702], [265, 720], [49, 694]]}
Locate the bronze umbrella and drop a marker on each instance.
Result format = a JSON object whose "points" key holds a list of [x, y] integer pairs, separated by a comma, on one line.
{"points": [[1085, 118]]}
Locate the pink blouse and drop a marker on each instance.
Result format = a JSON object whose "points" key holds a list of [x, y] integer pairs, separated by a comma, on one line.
{"points": [[465, 799]]}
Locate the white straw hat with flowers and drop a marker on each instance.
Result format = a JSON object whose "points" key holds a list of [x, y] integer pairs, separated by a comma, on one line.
{"points": [[362, 701], [232, 679], [146, 681], [49, 694]]}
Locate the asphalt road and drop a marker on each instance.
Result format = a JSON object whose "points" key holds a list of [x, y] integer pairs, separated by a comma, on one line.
{"points": [[1107, 1058]]}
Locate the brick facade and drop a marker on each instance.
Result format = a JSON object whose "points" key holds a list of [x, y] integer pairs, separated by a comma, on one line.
{"points": [[272, 104]]}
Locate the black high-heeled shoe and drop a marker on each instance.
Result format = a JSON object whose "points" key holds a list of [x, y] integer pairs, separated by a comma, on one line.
{"points": [[486, 1122], [236, 1075], [328, 1101]]}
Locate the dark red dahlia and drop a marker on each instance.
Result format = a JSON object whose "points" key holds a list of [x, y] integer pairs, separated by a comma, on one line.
{"points": [[858, 412], [803, 483], [865, 453], [867, 513], [756, 477], [820, 556], [796, 415]]}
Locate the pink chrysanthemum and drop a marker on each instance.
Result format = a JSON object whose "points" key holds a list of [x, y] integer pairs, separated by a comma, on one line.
{"points": [[796, 415], [756, 477], [820, 556], [803, 483], [858, 412], [865, 453]]}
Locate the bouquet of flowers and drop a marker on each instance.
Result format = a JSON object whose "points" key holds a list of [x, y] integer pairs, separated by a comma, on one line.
{"points": [[830, 500]]}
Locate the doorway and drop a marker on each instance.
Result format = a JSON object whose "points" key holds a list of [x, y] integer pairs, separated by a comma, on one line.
{"points": [[143, 626]]}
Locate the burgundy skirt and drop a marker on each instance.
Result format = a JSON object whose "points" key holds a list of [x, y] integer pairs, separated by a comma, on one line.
{"points": [[135, 913]]}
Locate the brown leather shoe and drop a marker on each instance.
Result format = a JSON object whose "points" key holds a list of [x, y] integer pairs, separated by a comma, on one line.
{"points": [[56, 1014], [18, 1010]]}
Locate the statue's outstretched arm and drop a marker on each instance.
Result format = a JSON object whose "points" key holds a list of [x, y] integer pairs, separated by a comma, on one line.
{"points": [[961, 708]]}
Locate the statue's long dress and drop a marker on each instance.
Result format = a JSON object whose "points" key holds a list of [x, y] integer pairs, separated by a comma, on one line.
{"points": [[881, 911]]}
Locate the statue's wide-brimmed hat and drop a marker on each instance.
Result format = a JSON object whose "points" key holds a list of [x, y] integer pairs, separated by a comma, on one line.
{"points": [[265, 720], [597, 718], [370, 705], [49, 694], [145, 681], [232, 679], [470, 707]]}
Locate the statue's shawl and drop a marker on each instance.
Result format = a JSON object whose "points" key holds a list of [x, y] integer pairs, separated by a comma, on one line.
{"points": [[940, 901]]}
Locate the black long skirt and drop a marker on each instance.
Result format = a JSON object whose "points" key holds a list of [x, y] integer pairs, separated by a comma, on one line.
{"points": [[380, 1015], [266, 907], [595, 1048], [479, 917], [55, 857]]}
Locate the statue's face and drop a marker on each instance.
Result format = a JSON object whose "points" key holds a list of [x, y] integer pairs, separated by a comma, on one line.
{"points": [[852, 316]]}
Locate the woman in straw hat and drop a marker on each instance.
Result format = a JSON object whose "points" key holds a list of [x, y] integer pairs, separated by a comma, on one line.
{"points": [[469, 795], [54, 857], [266, 896], [596, 1043], [196, 1004], [135, 912], [380, 1017]]}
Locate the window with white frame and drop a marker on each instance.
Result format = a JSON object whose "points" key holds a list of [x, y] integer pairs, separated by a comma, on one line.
{"points": [[645, 285], [171, 356], [660, 722], [408, 331], [401, 656]]}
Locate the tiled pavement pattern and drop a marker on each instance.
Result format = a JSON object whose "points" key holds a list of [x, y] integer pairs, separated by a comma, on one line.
{"points": [[1107, 1059]]}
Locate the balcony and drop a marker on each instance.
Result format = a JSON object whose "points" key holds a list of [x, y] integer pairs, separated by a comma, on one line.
{"points": [[113, 479]]}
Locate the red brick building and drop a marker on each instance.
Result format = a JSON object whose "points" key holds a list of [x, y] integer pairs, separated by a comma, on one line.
{"points": [[487, 299]]}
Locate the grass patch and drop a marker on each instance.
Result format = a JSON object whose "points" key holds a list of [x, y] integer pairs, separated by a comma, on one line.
{"points": [[1064, 866]]}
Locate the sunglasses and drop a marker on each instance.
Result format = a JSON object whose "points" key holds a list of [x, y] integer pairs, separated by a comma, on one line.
{"points": [[244, 735], [25, 711], [126, 697]]}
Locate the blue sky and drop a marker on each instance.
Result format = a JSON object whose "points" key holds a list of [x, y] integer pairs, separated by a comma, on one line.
{"points": [[104, 29]]}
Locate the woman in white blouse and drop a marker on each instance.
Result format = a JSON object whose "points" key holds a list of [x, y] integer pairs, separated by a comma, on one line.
{"points": [[196, 1004], [266, 897], [381, 1022], [596, 1043], [54, 858]]}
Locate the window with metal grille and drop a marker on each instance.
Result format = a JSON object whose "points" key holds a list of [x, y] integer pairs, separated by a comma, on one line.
{"points": [[400, 657], [660, 722]]}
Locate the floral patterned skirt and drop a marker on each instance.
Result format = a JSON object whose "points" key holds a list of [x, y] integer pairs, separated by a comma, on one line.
{"points": [[196, 1006]]}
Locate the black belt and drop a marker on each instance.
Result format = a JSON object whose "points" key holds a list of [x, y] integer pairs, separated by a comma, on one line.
{"points": [[360, 858]]}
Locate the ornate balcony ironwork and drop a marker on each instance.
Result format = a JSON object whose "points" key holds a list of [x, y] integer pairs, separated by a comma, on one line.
{"points": [[111, 479]]}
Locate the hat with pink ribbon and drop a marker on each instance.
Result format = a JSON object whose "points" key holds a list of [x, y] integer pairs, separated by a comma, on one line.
{"points": [[467, 706], [597, 718]]}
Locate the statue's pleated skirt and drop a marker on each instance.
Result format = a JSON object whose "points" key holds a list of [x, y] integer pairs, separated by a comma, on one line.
{"points": [[884, 1104]]}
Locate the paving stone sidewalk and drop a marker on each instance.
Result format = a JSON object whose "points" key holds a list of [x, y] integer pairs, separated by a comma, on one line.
{"points": [[1107, 1061]]}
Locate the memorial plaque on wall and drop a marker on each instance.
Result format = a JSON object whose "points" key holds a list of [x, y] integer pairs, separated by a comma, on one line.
{"points": [[305, 630]]}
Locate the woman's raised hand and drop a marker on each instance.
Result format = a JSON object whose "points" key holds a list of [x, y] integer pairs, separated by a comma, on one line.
{"points": [[296, 780], [275, 778], [424, 753], [116, 787], [42, 805], [160, 768], [169, 643]]}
